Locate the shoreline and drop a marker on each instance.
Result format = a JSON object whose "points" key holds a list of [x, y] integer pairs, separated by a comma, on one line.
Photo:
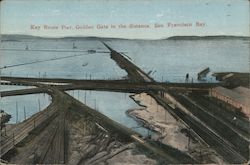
{"points": [[169, 130], [142, 121], [154, 120]]}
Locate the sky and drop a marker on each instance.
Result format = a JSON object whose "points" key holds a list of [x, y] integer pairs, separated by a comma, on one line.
{"points": [[214, 17]]}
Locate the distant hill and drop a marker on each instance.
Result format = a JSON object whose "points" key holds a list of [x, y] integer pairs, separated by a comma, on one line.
{"points": [[17, 37], [207, 37]]}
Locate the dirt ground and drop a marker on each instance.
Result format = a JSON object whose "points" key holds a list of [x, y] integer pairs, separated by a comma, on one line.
{"points": [[171, 131], [89, 144]]}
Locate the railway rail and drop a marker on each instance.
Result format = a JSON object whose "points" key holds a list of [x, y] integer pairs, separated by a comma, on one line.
{"points": [[226, 149], [21, 131]]}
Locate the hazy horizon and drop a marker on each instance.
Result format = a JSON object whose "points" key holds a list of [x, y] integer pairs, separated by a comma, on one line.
{"points": [[163, 38]]}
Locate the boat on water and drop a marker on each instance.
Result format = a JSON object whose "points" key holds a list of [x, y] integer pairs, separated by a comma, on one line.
{"points": [[85, 64], [91, 51]]}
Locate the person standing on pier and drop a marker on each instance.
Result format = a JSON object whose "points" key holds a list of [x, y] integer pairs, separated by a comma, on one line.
{"points": [[187, 77]]}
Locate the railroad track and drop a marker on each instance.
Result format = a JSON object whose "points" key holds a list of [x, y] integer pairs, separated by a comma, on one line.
{"points": [[25, 128], [209, 105], [234, 139], [54, 152], [58, 148], [229, 154], [221, 145], [51, 143], [45, 141]]}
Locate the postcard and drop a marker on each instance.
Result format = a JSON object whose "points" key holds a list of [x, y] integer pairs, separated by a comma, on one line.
{"points": [[124, 82]]}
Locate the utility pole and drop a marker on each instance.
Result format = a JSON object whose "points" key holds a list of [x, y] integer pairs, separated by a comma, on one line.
{"points": [[16, 112], [24, 112], [0, 78], [85, 101], [39, 105], [95, 103]]}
